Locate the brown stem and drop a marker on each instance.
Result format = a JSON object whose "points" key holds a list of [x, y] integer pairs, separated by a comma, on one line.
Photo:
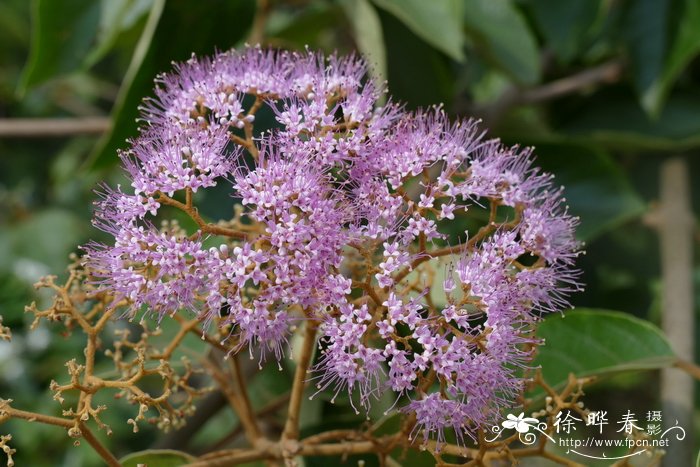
{"points": [[248, 128], [181, 333], [106, 316], [206, 409], [606, 73], [530, 452], [68, 302], [242, 391], [271, 407], [274, 451], [234, 458], [98, 447], [239, 141], [188, 197], [37, 417], [451, 449], [609, 72], [689, 367], [483, 232], [369, 290], [342, 448], [331, 435], [234, 398], [257, 31], [67, 424], [215, 343], [291, 426], [203, 225], [49, 127]]}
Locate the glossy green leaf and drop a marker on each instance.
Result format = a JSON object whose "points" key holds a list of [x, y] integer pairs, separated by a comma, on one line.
{"points": [[436, 22], [596, 189], [565, 25], [62, 34], [157, 458], [589, 342], [501, 33], [367, 31], [166, 39]]}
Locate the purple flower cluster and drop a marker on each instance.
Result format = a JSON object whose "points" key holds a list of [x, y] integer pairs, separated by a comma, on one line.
{"points": [[348, 210]]}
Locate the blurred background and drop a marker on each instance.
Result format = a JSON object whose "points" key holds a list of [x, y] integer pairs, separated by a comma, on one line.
{"points": [[608, 91]]}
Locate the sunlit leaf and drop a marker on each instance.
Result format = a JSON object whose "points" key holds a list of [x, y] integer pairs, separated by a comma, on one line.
{"points": [[367, 31], [116, 16], [436, 22]]}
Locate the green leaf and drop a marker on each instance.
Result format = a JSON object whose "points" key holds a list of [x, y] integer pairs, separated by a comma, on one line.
{"points": [[595, 187], [157, 458], [661, 41], [646, 36], [565, 24], [106, 149], [436, 22], [367, 31], [116, 16], [588, 342], [307, 27], [616, 120], [62, 34], [419, 75], [685, 47], [14, 30], [502, 35], [166, 39]]}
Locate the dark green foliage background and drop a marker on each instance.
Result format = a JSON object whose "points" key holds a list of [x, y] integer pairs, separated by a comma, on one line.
{"points": [[605, 141]]}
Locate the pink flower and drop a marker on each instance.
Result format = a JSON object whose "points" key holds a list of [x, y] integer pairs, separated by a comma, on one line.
{"points": [[346, 200]]}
